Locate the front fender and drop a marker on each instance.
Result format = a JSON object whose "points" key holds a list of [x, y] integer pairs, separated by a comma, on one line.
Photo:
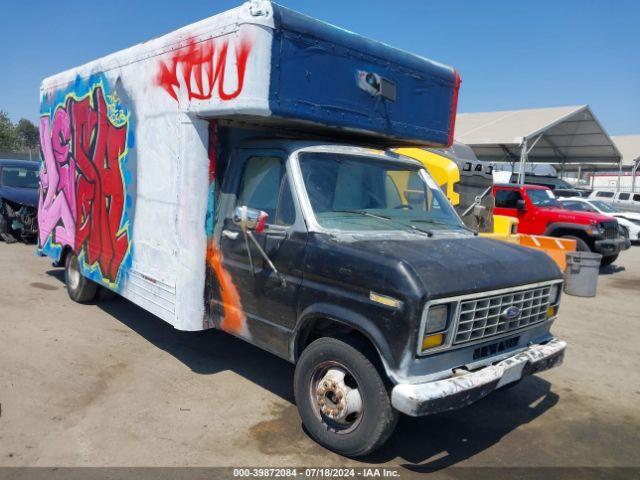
{"points": [[553, 227], [348, 318]]}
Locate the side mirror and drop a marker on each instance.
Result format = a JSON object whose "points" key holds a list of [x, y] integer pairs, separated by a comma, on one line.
{"points": [[250, 219], [521, 206]]}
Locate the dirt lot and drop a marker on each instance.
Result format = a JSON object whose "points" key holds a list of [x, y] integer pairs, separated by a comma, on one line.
{"points": [[109, 384]]}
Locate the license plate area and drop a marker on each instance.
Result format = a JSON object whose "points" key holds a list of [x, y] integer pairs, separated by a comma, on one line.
{"points": [[495, 348]]}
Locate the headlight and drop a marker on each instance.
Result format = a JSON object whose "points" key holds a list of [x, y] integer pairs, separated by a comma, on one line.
{"points": [[594, 229], [554, 294], [436, 318], [435, 324], [554, 300]]}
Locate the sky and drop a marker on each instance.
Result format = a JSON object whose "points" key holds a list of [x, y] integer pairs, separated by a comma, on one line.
{"points": [[510, 54]]}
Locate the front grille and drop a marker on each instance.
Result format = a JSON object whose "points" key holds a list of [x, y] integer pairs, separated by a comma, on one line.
{"points": [[483, 317], [610, 230]]}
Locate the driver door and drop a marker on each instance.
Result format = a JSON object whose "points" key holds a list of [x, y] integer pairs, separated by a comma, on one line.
{"points": [[268, 303], [506, 203]]}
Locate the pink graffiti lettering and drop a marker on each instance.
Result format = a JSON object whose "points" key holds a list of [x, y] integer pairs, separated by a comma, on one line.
{"points": [[56, 204]]}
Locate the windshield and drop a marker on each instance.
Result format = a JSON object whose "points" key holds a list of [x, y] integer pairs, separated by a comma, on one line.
{"points": [[19, 177], [605, 207], [349, 192], [543, 198]]}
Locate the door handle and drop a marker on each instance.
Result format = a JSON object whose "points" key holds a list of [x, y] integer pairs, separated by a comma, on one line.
{"points": [[231, 235]]}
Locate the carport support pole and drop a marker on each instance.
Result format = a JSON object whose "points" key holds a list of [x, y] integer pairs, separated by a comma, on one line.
{"points": [[634, 172], [619, 173], [524, 155], [523, 160]]}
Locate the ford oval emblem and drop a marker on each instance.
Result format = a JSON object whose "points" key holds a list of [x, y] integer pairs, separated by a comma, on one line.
{"points": [[511, 313]]}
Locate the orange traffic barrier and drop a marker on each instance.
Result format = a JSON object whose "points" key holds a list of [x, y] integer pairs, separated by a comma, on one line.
{"points": [[556, 248]]}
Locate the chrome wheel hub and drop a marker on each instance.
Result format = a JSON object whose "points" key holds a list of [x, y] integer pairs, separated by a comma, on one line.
{"points": [[336, 399]]}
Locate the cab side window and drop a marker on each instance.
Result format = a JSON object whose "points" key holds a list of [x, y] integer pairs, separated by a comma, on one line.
{"points": [[604, 194], [507, 198], [624, 196], [579, 206], [636, 197], [264, 186]]}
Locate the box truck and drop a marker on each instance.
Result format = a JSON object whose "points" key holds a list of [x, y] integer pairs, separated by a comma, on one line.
{"points": [[235, 174]]}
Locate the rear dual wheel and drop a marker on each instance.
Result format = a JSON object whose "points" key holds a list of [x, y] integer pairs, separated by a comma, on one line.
{"points": [[79, 287], [342, 399]]}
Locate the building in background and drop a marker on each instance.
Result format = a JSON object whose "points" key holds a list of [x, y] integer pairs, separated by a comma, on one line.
{"points": [[629, 147]]}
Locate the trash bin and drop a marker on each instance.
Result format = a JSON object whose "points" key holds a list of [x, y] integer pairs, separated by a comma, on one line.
{"points": [[581, 274]]}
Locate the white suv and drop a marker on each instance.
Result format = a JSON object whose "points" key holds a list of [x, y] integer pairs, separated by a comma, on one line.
{"points": [[622, 200], [629, 221]]}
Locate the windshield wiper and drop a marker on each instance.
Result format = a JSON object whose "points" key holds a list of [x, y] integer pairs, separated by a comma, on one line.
{"points": [[429, 233], [447, 224], [363, 213], [434, 222]]}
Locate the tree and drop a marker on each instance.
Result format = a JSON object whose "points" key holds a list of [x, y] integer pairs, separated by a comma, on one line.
{"points": [[28, 134], [9, 139]]}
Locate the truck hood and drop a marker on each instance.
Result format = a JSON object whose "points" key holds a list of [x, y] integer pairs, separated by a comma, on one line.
{"points": [[561, 214], [455, 266], [23, 196]]}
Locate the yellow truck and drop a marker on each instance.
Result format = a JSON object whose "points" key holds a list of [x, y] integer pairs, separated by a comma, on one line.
{"points": [[445, 167]]}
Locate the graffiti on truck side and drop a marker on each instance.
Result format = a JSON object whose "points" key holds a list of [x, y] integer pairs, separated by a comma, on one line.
{"points": [[198, 71], [85, 137]]}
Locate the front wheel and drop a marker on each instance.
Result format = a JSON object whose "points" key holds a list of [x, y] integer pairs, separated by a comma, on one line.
{"points": [[581, 245], [342, 399], [79, 287], [608, 260], [624, 231]]}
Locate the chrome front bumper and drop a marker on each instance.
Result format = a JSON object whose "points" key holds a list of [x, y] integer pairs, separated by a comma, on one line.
{"points": [[461, 390]]}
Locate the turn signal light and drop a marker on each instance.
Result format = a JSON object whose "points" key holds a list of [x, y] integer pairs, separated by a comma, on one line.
{"points": [[431, 341], [551, 312]]}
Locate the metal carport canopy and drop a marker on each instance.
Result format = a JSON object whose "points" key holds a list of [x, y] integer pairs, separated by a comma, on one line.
{"points": [[560, 135]]}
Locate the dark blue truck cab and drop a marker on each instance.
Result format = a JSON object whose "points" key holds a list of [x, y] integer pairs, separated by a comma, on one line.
{"points": [[362, 273]]}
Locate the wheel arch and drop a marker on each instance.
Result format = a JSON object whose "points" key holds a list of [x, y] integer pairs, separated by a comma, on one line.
{"points": [[575, 230], [325, 320], [64, 253]]}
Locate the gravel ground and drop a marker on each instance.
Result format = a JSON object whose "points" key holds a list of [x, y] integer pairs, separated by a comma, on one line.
{"points": [[109, 384]]}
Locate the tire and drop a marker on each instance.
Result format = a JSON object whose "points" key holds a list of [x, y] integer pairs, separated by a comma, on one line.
{"points": [[608, 260], [581, 245], [79, 287], [8, 238], [624, 231], [360, 432]]}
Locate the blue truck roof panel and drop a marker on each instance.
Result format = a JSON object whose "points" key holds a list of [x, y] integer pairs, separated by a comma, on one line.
{"points": [[323, 74]]}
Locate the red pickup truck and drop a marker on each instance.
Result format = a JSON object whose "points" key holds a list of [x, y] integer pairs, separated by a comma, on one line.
{"points": [[540, 213]]}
